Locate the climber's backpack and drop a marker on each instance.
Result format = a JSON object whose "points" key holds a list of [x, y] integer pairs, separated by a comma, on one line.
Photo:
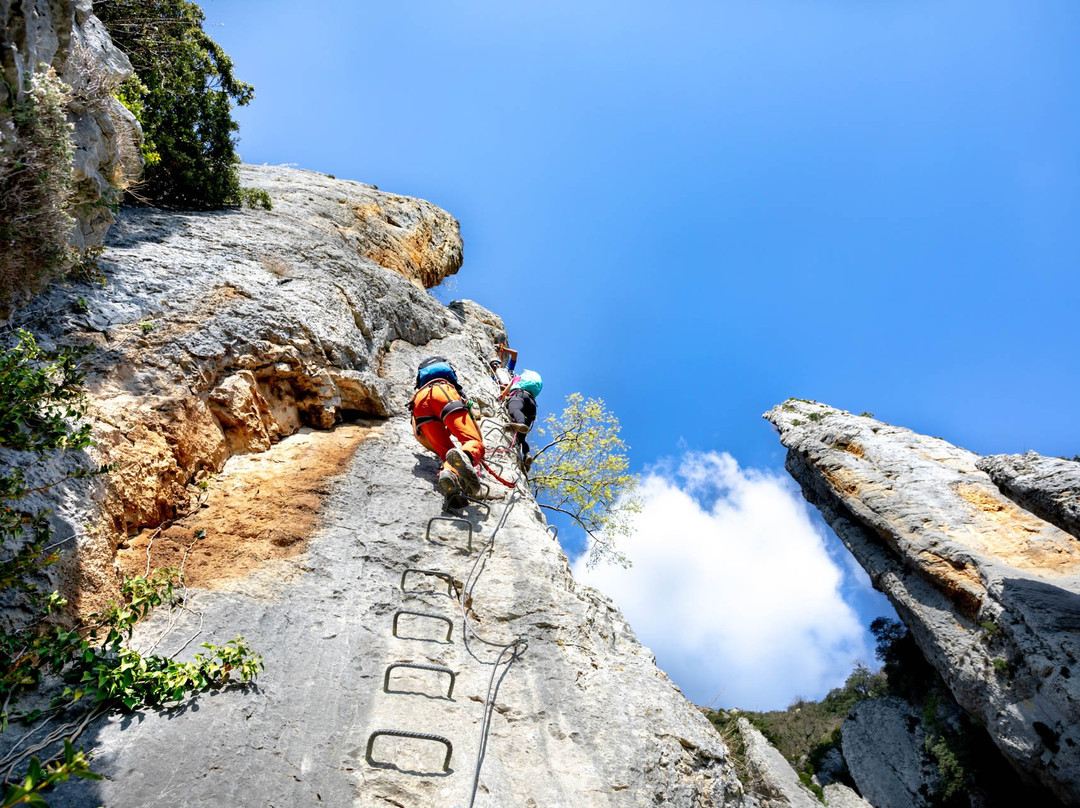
{"points": [[436, 367], [530, 382]]}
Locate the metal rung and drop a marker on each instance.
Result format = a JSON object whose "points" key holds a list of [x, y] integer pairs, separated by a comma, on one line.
{"points": [[554, 531], [479, 503], [417, 666], [447, 620], [435, 574], [400, 733], [456, 519]]}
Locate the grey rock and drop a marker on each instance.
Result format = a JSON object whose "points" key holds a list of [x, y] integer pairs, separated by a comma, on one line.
{"points": [[990, 592], [221, 333], [1046, 486], [65, 35], [772, 779], [837, 795], [584, 718], [832, 768], [883, 746]]}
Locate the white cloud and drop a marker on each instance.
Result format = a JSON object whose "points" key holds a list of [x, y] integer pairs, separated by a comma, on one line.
{"points": [[732, 587]]}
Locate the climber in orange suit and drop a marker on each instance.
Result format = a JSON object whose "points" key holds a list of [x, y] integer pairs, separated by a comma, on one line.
{"points": [[439, 412]]}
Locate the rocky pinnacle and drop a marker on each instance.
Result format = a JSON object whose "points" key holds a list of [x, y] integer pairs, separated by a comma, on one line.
{"points": [[990, 591]]}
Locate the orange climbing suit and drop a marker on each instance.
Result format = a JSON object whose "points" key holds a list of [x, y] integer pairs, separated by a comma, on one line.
{"points": [[439, 412]]}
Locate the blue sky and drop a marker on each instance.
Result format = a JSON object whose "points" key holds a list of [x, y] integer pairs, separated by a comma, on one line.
{"points": [[695, 210]]}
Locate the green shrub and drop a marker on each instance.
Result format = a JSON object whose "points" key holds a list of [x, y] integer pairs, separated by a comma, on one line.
{"points": [[182, 94], [35, 187], [255, 198]]}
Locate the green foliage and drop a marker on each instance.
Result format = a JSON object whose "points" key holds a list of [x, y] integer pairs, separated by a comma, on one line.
{"points": [[582, 472], [35, 186], [908, 673], [182, 94], [255, 198], [805, 731], [38, 778], [807, 779], [40, 398], [951, 749]]}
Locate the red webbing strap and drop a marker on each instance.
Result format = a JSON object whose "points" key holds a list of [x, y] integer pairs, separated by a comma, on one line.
{"points": [[496, 476]]}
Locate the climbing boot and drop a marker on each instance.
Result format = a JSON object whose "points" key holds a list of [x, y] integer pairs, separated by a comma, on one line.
{"points": [[455, 502], [448, 482], [466, 474], [520, 428]]}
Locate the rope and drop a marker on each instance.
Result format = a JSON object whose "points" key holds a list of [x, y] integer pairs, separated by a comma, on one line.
{"points": [[496, 476], [517, 646]]}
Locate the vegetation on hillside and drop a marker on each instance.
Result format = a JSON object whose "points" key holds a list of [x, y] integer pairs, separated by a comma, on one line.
{"points": [[76, 667], [581, 472], [968, 765], [806, 731]]}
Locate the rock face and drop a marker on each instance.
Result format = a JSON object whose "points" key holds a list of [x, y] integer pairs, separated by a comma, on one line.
{"points": [[223, 333], [220, 333], [773, 779], [837, 795], [65, 35], [990, 592], [1046, 486], [883, 744]]}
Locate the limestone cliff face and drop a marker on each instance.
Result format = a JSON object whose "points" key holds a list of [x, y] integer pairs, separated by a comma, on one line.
{"points": [[990, 591], [221, 333], [1046, 486], [65, 35], [225, 338]]}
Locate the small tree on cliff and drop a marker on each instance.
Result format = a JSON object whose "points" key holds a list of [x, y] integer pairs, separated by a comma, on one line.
{"points": [[582, 473]]}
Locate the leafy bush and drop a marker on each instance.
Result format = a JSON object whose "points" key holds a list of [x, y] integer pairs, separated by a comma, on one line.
{"points": [[182, 94], [582, 473], [35, 186]]}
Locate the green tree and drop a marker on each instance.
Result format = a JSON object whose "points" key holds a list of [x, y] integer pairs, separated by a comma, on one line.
{"points": [[182, 94], [582, 473]]}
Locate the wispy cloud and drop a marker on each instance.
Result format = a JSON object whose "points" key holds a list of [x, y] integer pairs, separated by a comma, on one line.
{"points": [[732, 586]]}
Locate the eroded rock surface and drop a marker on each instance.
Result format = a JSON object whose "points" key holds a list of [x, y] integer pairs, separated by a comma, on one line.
{"points": [[219, 333], [990, 592], [837, 795], [1047, 486]]}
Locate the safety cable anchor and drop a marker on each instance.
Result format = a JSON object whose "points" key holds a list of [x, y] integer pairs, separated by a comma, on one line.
{"points": [[447, 620], [420, 667], [400, 733]]}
